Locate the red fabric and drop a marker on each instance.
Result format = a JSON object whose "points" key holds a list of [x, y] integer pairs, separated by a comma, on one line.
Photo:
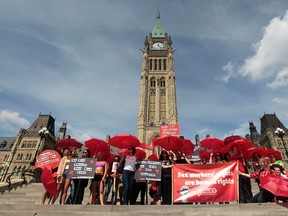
{"points": [[48, 158], [278, 185], [232, 138], [124, 141], [169, 142], [67, 143], [145, 146], [212, 143], [205, 182], [260, 173], [49, 182], [139, 154], [240, 159], [97, 145]]}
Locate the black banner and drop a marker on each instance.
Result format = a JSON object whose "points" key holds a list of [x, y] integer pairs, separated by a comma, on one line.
{"points": [[148, 170], [82, 168]]}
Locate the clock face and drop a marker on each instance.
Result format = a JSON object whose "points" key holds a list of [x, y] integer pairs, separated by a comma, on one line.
{"points": [[158, 46]]}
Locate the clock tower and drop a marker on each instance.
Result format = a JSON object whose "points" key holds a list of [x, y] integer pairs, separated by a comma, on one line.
{"points": [[157, 102]]}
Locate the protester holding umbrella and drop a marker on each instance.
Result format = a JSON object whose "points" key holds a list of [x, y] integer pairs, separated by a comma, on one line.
{"points": [[164, 188], [112, 180], [245, 193], [263, 195], [62, 172], [180, 158]]}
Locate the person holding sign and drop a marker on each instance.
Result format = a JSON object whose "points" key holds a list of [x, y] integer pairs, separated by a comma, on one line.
{"points": [[99, 179], [164, 188], [62, 172]]}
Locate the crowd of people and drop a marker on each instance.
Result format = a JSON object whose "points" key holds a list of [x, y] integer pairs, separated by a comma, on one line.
{"points": [[120, 184]]}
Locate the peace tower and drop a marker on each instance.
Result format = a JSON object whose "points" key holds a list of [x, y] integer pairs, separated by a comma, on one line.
{"points": [[157, 102]]}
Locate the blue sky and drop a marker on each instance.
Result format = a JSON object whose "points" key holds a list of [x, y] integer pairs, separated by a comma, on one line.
{"points": [[80, 61]]}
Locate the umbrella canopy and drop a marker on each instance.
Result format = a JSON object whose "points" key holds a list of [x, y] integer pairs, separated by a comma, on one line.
{"points": [[139, 154], [153, 157], [49, 182], [67, 143], [232, 138], [145, 146], [124, 141], [97, 145], [168, 142], [110, 158], [241, 144], [204, 154], [251, 151], [277, 154], [48, 158], [188, 147], [278, 185], [212, 143]]}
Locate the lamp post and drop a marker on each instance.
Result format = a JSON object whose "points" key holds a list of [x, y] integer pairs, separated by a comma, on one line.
{"points": [[280, 133]]}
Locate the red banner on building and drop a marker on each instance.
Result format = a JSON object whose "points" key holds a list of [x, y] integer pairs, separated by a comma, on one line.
{"points": [[205, 182], [169, 129]]}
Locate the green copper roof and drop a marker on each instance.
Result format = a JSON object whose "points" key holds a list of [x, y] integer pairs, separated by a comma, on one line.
{"points": [[158, 30]]}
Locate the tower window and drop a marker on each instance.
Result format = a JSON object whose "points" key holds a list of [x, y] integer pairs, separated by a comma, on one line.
{"points": [[150, 64], [164, 64], [155, 64], [162, 83], [153, 83], [160, 65]]}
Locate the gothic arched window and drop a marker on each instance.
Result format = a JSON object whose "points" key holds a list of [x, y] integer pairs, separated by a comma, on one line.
{"points": [[160, 64], [153, 82], [155, 64], [164, 64], [151, 65]]}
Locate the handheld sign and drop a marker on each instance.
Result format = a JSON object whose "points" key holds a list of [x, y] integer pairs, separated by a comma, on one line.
{"points": [[82, 168], [148, 170]]}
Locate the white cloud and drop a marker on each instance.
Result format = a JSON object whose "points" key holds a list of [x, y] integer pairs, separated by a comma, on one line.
{"points": [[242, 130], [270, 56], [11, 120], [281, 101]]}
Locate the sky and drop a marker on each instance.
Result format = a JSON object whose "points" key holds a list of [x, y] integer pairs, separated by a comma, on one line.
{"points": [[80, 61]]}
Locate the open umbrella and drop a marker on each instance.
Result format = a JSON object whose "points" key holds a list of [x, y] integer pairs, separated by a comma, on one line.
{"points": [[204, 154], [187, 148], [274, 152], [124, 141], [48, 158], [212, 143], [153, 157], [169, 142], [49, 182], [232, 138], [67, 143], [251, 151], [241, 144], [139, 154], [145, 146], [97, 145], [278, 185]]}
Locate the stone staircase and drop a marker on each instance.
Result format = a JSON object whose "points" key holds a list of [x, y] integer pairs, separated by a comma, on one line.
{"points": [[27, 201]]}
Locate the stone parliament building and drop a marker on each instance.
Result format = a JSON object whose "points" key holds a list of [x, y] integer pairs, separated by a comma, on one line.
{"points": [[157, 106]]}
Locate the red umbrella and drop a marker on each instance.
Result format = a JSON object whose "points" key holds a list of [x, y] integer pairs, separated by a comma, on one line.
{"points": [[212, 143], [145, 146], [97, 145], [251, 151], [49, 182], [139, 154], [232, 138], [188, 147], [67, 143], [110, 158], [277, 154], [204, 154], [153, 157], [168, 142], [241, 144], [278, 185], [48, 158], [124, 141]]}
